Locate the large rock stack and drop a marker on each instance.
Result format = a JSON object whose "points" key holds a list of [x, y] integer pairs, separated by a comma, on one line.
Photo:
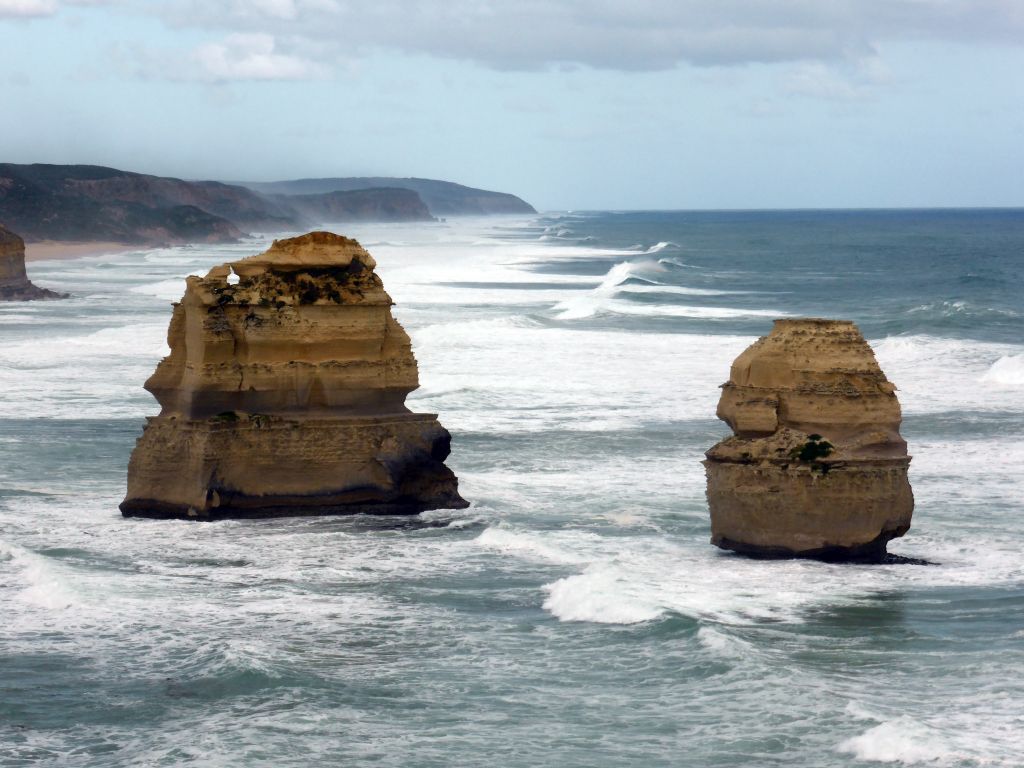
{"points": [[817, 466], [14, 282], [284, 394]]}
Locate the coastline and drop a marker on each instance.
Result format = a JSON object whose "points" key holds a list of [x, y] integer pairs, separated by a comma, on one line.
{"points": [[56, 250]]}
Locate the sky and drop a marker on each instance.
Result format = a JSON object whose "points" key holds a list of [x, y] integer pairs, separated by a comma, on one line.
{"points": [[571, 104]]}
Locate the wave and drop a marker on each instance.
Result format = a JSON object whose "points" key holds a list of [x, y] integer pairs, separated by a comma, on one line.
{"points": [[901, 740], [40, 585], [94, 375], [573, 310], [633, 277], [603, 597], [975, 375], [648, 577], [1006, 373], [723, 645], [558, 231], [675, 263], [955, 317], [170, 290], [531, 547], [661, 247], [959, 309], [181, 256]]}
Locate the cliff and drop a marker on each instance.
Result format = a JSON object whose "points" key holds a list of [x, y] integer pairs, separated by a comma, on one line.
{"points": [[442, 198], [93, 203], [14, 282], [86, 203], [284, 394], [378, 204], [816, 466]]}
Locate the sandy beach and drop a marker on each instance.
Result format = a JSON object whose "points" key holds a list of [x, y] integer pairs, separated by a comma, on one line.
{"points": [[49, 250]]}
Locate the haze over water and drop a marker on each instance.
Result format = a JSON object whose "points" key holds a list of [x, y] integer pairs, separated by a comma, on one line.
{"points": [[575, 615]]}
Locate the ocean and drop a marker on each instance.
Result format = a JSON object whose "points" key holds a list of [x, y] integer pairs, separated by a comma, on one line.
{"points": [[576, 614]]}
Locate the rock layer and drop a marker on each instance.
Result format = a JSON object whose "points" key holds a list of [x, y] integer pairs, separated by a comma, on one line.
{"points": [[14, 282], [284, 394], [816, 466]]}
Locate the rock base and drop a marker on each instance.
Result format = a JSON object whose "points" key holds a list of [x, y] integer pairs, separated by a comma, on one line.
{"points": [[29, 292], [828, 511], [243, 466]]}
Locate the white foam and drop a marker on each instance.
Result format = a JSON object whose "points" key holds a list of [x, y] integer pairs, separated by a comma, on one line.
{"points": [[903, 740], [1006, 373], [938, 374], [584, 307], [679, 290], [724, 645], [643, 575], [94, 375], [40, 585], [169, 290], [531, 547], [496, 376], [607, 298], [661, 247], [604, 596]]}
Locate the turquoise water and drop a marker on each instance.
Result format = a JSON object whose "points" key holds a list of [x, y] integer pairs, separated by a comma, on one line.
{"points": [[575, 615]]}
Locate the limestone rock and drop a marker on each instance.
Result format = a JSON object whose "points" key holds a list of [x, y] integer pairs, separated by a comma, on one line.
{"points": [[816, 466], [14, 282], [284, 394]]}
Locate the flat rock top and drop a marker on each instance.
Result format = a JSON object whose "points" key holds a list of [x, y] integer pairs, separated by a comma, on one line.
{"points": [[10, 242], [315, 249], [800, 346]]}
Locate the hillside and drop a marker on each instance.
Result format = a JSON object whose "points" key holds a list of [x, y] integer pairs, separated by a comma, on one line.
{"points": [[443, 198], [90, 203], [85, 202], [375, 204]]}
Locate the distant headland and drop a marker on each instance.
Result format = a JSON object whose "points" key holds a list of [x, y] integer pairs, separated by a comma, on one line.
{"points": [[88, 203]]}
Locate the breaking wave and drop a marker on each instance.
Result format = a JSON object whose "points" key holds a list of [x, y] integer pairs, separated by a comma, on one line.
{"points": [[628, 278]]}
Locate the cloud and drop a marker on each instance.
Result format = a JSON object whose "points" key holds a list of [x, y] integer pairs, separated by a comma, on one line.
{"points": [[252, 56], [249, 57], [29, 9], [611, 34], [26, 9], [856, 81]]}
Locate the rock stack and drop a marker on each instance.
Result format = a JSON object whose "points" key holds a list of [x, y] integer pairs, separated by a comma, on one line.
{"points": [[284, 394], [14, 282], [816, 467]]}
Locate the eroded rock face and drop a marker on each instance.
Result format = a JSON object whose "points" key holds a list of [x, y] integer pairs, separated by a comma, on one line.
{"points": [[284, 394], [14, 282], [817, 466]]}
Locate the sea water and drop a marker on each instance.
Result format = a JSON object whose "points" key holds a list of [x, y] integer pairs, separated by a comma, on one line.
{"points": [[576, 614]]}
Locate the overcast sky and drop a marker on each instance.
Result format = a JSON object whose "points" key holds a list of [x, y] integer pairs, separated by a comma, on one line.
{"points": [[568, 103]]}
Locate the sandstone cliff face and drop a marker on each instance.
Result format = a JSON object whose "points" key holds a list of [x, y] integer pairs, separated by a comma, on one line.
{"points": [[284, 394], [817, 466], [14, 282]]}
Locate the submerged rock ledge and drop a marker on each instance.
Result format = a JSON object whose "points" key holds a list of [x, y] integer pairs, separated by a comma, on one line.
{"points": [[284, 394], [816, 467]]}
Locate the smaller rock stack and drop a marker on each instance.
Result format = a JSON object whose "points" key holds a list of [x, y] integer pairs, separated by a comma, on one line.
{"points": [[817, 467], [14, 282]]}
